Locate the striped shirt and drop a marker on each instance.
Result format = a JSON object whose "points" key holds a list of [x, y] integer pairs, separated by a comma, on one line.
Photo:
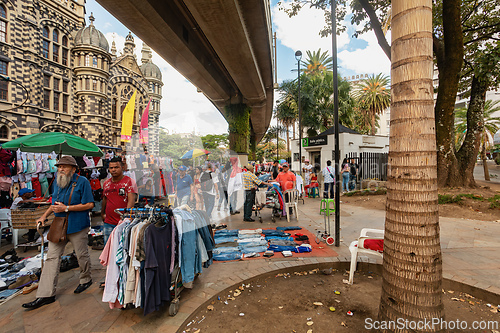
{"points": [[250, 180]]}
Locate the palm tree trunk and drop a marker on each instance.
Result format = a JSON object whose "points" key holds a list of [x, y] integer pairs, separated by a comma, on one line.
{"points": [[372, 119], [485, 161], [412, 264]]}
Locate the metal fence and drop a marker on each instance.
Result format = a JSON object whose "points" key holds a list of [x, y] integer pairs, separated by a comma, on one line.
{"points": [[370, 165]]}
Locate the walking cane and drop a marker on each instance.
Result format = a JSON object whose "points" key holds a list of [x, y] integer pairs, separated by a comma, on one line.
{"points": [[38, 226]]}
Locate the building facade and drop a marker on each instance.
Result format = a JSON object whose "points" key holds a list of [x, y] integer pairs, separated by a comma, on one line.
{"points": [[64, 77]]}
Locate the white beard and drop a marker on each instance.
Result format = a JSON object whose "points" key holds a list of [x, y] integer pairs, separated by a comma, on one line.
{"points": [[63, 180]]}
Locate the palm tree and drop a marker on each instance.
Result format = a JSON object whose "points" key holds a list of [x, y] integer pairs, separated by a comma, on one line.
{"points": [[374, 96], [491, 125], [412, 265], [317, 62]]}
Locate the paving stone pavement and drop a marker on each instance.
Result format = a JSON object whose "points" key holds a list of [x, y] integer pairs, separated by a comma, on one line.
{"points": [[470, 255]]}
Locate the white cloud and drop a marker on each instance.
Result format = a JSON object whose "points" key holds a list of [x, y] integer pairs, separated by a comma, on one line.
{"points": [[301, 32], [183, 109], [369, 60]]}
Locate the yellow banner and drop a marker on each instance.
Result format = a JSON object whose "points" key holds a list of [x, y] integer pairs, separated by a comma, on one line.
{"points": [[128, 119]]}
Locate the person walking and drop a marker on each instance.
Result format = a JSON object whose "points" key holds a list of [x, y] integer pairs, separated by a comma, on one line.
{"points": [[68, 184], [209, 189], [345, 175], [329, 180], [119, 191], [250, 183], [184, 188]]}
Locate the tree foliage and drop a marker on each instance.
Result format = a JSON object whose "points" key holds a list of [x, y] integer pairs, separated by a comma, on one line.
{"points": [[176, 145], [373, 97]]}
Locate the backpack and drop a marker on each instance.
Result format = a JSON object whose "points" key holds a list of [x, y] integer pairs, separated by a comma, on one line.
{"points": [[353, 169], [206, 181]]}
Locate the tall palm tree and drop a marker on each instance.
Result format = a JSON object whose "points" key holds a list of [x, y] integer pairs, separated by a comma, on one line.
{"points": [[412, 264], [317, 62], [374, 96], [491, 125]]}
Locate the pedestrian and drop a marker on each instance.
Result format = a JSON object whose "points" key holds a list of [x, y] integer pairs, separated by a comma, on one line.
{"points": [[223, 177], [308, 170], [329, 180], [345, 172], [198, 194], [68, 184], [209, 188], [234, 183], [250, 183], [275, 169], [353, 172], [184, 187], [119, 191]]}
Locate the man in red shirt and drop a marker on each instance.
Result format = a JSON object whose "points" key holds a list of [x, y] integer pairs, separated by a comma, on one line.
{"points": [[119, 191], [286, 178]]}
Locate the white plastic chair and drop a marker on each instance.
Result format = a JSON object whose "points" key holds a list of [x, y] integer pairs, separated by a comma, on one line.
{"points": [[357, 246], [291, 200], [5, 220]]}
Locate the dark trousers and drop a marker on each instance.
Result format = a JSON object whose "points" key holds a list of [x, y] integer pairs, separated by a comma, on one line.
{"points": [[329, 188], [249, 201]]}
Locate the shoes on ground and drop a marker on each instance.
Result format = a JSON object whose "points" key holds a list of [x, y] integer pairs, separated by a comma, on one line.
{"points": [[236, 211], [28, 289], [82, 287], [249, 220], [39, 302]]}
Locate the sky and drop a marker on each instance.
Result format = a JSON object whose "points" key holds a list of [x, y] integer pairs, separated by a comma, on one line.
{"points": [[184, 110]]}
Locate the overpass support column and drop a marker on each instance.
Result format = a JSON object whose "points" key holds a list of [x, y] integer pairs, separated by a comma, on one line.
{"points": [[238, 118]]}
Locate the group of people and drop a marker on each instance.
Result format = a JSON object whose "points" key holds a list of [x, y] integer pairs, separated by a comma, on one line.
{"points": [[349, 172]]}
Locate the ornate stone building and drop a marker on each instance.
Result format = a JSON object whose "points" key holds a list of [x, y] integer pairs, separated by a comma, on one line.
{"points": [[64, 77]]}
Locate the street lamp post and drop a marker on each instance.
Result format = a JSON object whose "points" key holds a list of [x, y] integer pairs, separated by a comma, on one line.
{"points": [[298, 57], [333, 6]]}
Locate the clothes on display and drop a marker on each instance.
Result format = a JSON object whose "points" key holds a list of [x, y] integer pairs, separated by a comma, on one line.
{"points": [[143, 250], [236, 244]]}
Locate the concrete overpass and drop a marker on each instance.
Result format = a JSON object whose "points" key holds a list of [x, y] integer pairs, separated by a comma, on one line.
{"points": [[224, 47]]}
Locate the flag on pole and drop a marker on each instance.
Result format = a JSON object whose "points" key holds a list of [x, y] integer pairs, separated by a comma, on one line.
{"points": [[128, 119], [143, 130]]}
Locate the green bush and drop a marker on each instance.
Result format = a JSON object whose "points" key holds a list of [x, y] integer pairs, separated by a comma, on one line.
{"points": [[494, 201]]}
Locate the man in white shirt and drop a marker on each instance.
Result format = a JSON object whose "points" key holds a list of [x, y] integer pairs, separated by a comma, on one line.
{"points": [[329, 180]]}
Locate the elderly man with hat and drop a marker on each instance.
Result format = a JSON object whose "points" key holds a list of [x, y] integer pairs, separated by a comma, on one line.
{"points": [[68, 183]]}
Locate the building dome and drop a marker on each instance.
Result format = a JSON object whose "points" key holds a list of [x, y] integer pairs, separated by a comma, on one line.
{"points": [[150, 70], [91, 36]]}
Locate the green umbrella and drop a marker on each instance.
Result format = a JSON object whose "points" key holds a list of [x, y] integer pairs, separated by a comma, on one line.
{"points": [[61, 143]]}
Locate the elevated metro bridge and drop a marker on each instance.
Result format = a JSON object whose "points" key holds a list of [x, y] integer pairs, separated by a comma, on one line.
{"points": [[223, 47]]}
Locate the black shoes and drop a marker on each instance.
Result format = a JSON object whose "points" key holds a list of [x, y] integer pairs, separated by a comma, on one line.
{"points": [[82, 287], [39, 302], [249, 220]]}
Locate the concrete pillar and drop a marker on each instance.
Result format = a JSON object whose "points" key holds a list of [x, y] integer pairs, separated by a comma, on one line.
{"points": [[253, 146], [238, 118]]}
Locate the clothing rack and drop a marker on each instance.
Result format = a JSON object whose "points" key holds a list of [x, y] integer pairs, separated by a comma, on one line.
{"points": [[176, 278]]}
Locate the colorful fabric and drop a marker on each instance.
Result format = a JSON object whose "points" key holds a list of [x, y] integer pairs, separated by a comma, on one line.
{"points": [[143, 130], [128, 119]]}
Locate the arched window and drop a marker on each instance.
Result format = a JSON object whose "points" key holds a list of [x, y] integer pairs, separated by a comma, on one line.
{"points": [[113, 108], [87, 60], [94, 62], [65, 41], [4, 132], [3, 24], [45, 43], [55, 36]]}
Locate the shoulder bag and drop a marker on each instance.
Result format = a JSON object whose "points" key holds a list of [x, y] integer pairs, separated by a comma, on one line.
{"points": [[58, 228]]}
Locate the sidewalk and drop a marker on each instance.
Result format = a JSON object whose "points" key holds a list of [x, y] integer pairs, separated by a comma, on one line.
{"points": [[470, 254]]}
